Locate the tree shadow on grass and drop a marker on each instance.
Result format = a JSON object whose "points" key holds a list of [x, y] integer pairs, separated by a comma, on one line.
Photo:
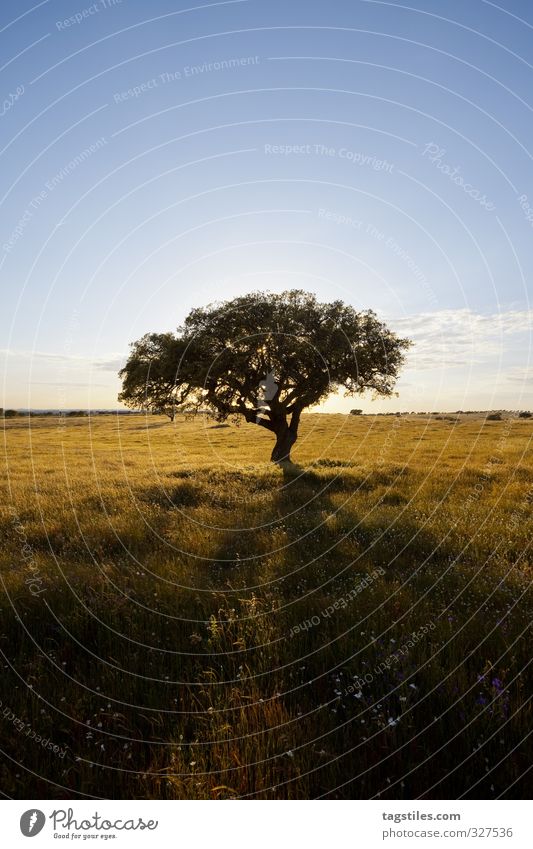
{"points": [[312, 516], [317, 557]]}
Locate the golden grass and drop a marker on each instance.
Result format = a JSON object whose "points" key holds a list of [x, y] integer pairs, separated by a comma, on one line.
{"points": [[175, 638]]}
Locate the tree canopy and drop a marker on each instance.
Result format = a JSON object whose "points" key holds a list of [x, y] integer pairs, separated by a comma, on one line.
{"points": [[149, 378], [265, 358]]}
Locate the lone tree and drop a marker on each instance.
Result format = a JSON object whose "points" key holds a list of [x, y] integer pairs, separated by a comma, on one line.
{"points": [[264, 358]]}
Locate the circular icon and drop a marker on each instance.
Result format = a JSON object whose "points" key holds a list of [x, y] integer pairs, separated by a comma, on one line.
{"points": [[32, 822]]}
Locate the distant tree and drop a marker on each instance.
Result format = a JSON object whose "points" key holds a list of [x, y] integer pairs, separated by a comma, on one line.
{"points": [[525, 414], [264, 358], [10, 414], [494, 417], [356, 412]]}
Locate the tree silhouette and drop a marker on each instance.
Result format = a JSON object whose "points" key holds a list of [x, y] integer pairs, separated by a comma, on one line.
{"points": [[265, 358]]}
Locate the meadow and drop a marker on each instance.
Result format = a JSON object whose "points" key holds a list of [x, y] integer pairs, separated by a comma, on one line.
{"points": [[181, 619]]}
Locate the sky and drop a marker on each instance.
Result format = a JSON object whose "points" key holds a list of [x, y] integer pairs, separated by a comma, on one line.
{"points": [[160, 156]]}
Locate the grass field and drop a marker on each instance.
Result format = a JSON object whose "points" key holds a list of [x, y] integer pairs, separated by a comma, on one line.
{"points": [[180, 619]]}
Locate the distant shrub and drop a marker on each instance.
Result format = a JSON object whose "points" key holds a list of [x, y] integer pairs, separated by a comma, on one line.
{"points": [[356, 412], [525, 414], [10, 414], [494, 417]]}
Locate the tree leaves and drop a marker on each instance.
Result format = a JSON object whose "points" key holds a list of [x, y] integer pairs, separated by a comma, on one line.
{"points": [[221, 356]]}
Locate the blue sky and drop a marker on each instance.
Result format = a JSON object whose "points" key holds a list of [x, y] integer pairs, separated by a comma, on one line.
{"points": [[160, 156]]}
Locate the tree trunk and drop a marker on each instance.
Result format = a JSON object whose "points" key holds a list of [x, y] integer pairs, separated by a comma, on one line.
{"points": [[285, 439]]}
